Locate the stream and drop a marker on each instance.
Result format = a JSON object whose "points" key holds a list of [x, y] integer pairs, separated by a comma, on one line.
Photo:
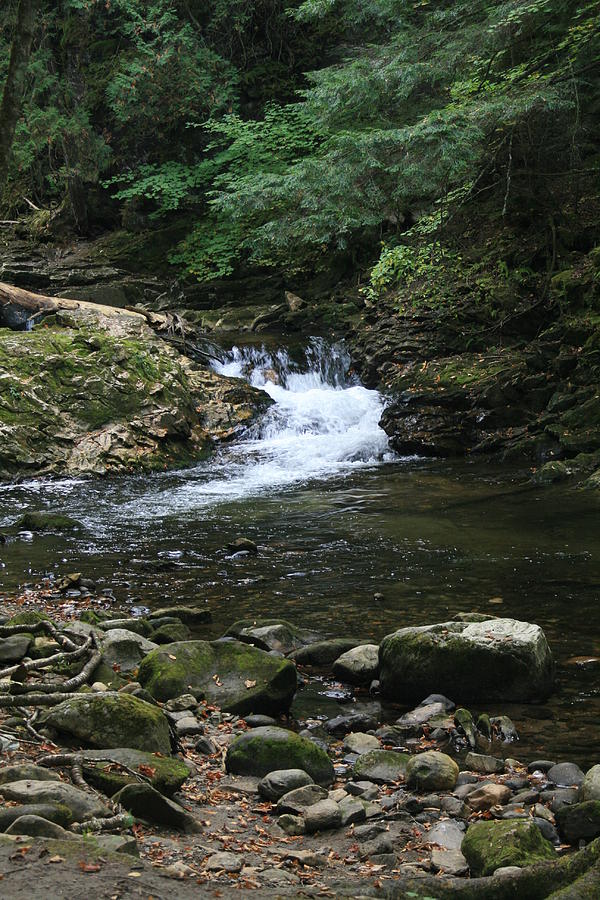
{"points": [[339, 519]]}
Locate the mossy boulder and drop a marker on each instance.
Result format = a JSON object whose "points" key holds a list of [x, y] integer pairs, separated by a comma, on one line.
{"points": [[381, 766], [114, 720], [29, 617], [488, 846], [268, 749], [322, 654], [171, 633], [236, 677], [581, 821], [41, 520], [432, 771], [189, 615], [498, 659], [166, 773]]}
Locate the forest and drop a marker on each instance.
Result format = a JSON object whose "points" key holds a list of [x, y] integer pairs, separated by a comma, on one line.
{"points": [[300, 449]]}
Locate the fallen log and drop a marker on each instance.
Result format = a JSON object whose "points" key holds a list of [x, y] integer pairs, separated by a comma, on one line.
{"points": [[19, 307]]}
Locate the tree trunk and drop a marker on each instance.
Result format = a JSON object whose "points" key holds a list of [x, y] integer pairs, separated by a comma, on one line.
{"points": [[19, 307], [14, 87]]}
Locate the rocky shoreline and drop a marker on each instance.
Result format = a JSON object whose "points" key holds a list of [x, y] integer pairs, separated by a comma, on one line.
{"points": [[132, 743]]}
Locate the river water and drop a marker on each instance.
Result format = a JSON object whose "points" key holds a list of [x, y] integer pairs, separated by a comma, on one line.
{"points": [[338, 520]]}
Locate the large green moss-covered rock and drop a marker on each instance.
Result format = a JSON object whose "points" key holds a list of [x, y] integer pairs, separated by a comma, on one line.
{"points": [[488, 846], [166, 773], [267, 749], [236, 677], [432, 771], [498, 659], [115, 720]]}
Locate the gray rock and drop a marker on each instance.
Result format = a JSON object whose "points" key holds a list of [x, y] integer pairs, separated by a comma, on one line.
{"points": [[417, 717], [561, 797], [451, 862], [352, 811], [276, 784], [547, 828], [580, 821], [36, 826], [590, 789], [381, 766], [448, 705], [263, 750], [258, 721], [292, 825], [117, 843], [566, 775], [24, 771], [380, 844], [145, 803], [351, 722], [431, 770], [364, 789], [369, 832], [323, 653], [540, 765], [14, 648], [322, 816], [52, 812], [206, 746], [506, 727], [125, 649], [299, 799], [82, 805], [498, 659], [448, 835], [139, 626], [270, 634], [358, 666], [182, 703], [359, 742], [488, 795], [189, 615], [485, 765], [224, 862], [188, 725]]}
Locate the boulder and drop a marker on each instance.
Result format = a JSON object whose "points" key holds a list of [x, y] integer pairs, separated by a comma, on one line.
{"points": [[580, 821], [566, 775], [189, 615], [171, 632], [139, 626], [498, 659], [51, 812], [270, 634], [322, 816], [145, 803], [115, 720], [381, 766], [81, 805], [263, 750], [298, 800], [26, 771], [234, 676], [276, 784], [125, 649], [485, 765], [590, 789], [487, 796], [14, 648], [44, 520], [431, 771], [166, 773], [358, 666], [358, 742], [322, 654], [493, 845]]}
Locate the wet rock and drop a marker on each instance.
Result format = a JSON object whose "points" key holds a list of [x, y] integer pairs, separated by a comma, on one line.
{"points": [[189, 615], [235, 677], [297, 800], [258, 721], [488, 795], [117, 843], [15, 647], [322, 816], [580, 821], [485, 765], [44, 520], [224, 862], [264, 750], [452, 806], [352, 722], [464, 722], [370, 831], [547, 829], [364, 789], [270, 634], [26, 771], [450, 862], [188, 725], [101, 769], [431, 771], [540, 765], [359, 742], [506, 728], [81, 805], [323, 653], [125, 649], [142, 801], [180, 704], [359, 665], [484, 726], [36, 826], [138, 626], [511, 659], [118, 720], [590, 789], [282, 781], [491, 845], [243, 544], [381, 766], [566, 775], [419, 716], [561, 797], [205, 746], [378, 845]]}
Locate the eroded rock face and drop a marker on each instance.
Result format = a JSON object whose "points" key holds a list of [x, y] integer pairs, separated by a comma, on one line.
{"points": [[499, 659], [247, 679], [93, 395]]}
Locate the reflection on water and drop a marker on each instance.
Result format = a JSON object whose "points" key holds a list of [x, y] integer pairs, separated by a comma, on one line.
{"points": [[433, 537]]}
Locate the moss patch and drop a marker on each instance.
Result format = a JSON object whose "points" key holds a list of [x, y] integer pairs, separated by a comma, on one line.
{"points": [[488, 846]]}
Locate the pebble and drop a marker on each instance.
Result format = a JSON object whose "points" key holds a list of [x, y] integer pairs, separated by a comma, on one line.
{"points": [[452, 862], [485, 765]]}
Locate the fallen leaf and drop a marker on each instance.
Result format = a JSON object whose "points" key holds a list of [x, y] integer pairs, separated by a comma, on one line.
{"points": [[134, 874], [89, 867], [171, 656], [250, 684], [56, 859]]}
